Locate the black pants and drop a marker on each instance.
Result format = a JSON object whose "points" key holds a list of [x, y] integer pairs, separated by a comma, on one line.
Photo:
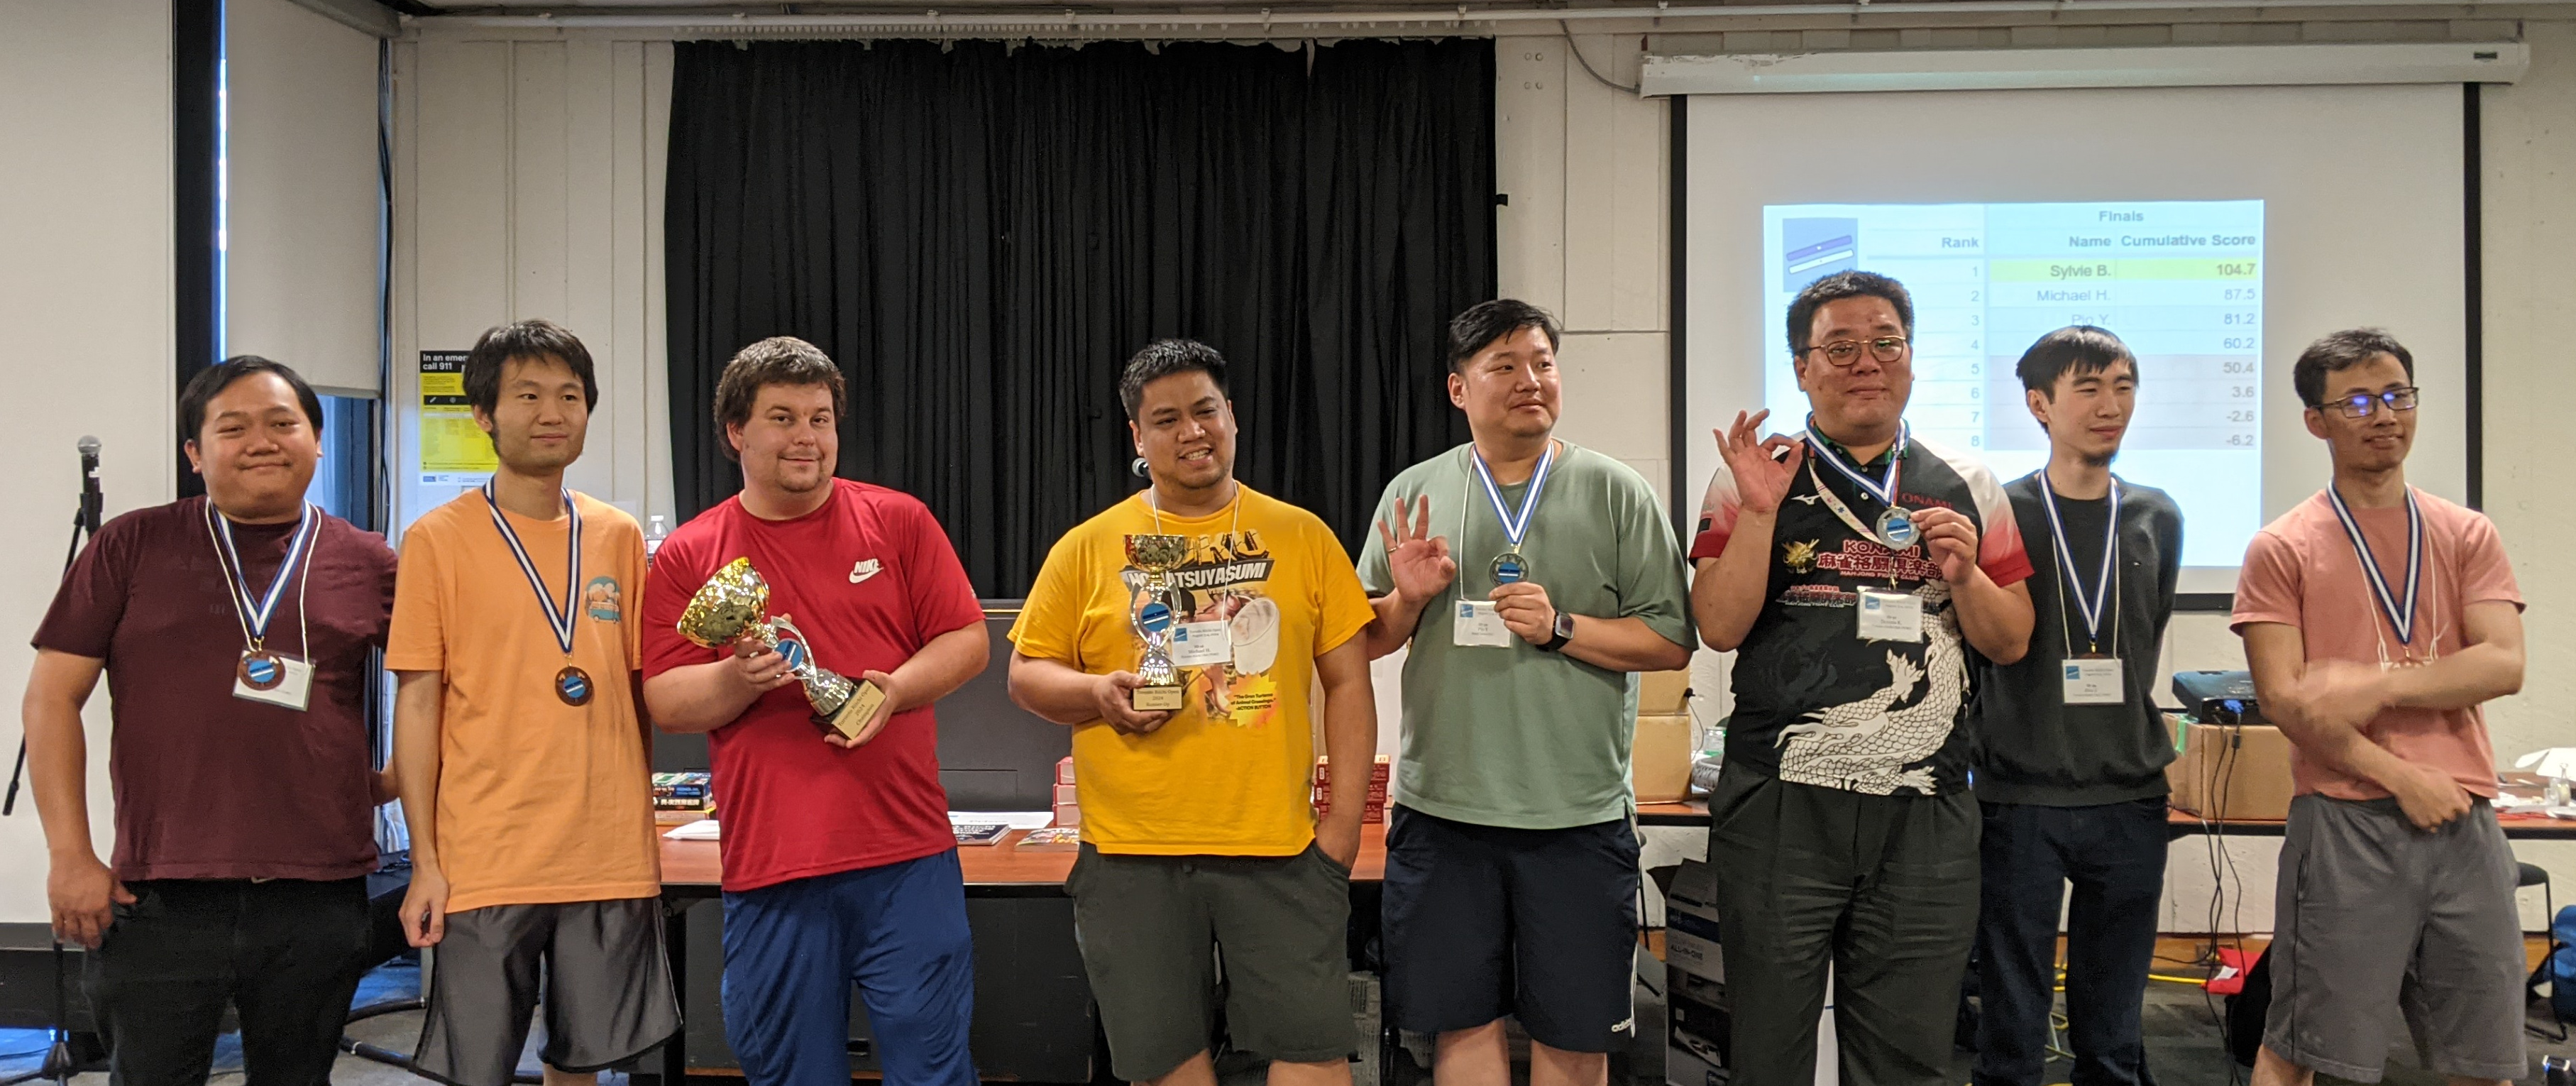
{"points": [[286, 954], [1881, 888], [2115, 856]]}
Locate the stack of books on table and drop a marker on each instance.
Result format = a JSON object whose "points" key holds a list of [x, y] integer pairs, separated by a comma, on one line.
{"points": [[1376, 810]]}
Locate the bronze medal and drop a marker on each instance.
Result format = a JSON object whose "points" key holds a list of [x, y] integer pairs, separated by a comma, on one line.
{"points": [[572, 684], [260, 669]]}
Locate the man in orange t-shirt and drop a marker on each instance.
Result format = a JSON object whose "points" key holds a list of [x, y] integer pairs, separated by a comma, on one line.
{"points": [[2377, 619], [521, 748]]}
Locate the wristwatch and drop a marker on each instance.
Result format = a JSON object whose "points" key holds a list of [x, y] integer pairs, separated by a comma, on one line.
{"points": [[1563, 629]]}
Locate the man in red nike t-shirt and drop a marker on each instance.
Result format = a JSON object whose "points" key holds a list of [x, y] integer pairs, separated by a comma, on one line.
{"points": [[839, 865]]}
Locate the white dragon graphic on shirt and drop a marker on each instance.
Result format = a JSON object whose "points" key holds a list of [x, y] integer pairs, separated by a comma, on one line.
{"points": [[1862, 745]]}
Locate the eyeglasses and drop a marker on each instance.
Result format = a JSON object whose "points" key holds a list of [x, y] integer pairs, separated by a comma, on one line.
{"points": [[2361, 405], [1844, 352]]}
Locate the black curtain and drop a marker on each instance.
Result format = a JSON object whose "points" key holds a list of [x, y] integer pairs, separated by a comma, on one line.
{"points": [[981, 235], [196, 45]]}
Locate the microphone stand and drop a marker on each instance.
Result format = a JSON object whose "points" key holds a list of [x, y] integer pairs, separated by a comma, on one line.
{"points": [[59, 1063]]}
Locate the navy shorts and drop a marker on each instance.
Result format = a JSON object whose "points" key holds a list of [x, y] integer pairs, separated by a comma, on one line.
{"points": [[792, 951], [1483, 921]]}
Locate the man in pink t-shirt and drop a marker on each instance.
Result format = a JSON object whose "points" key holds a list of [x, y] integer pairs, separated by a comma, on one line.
{"points": [[2377, 619]]}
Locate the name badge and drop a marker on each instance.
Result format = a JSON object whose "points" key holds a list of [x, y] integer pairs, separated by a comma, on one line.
{"points": [[1890, 616], [1199, 644], [294, 685], [2095, 680], [1479, 625]]}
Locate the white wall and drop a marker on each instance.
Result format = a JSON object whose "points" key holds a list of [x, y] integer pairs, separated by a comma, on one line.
{"points": [[301, 269], [2530, 214], [528, 183], [85, 293]]}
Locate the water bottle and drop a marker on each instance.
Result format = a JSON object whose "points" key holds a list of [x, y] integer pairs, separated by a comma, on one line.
{"points": [[656, 528]]}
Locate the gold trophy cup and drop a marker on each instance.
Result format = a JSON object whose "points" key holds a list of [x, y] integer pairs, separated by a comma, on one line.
{"points": [[732, 611], [1154, 612]]}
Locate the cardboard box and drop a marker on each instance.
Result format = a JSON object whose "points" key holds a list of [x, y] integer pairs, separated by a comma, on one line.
{"points": [[2231, 771], [1663, 693], [1696, 1033], [1067, 814], [1690, 923], [1695, 988], [1064, 770], [1659, 765]]}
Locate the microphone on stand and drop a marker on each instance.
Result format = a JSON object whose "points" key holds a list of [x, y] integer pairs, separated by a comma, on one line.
{"points": [[84, 523], [91, 503]]}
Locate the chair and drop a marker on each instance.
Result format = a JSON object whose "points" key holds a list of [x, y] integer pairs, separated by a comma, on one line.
{"points": [[2526, 875]]}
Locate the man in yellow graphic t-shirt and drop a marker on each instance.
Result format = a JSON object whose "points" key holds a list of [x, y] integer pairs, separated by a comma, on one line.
{"points": [[1198, 825]]}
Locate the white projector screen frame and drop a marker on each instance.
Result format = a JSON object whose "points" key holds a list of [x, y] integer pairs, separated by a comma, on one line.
{"points": [[2363, 190]]}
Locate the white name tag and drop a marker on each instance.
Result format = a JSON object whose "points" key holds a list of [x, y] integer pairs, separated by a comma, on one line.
{"points": [[2095, 681], [291, 691], [1479, 625], [1890, 616], [1198, 644]]}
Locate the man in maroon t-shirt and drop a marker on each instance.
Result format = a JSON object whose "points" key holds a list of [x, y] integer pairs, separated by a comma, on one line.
{"points": [[233, 630], [839, 865]]}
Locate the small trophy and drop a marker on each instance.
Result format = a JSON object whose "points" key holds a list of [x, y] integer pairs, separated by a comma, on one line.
{"points": [[1154, 613], [733, 607]]}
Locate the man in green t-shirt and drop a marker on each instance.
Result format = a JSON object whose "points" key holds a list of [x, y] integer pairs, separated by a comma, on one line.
{"points": [[1530, 578]]}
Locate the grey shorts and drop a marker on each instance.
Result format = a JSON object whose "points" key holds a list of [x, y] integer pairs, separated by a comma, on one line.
{"points": [[1155, 931], [2375, 920], [600, 965]]}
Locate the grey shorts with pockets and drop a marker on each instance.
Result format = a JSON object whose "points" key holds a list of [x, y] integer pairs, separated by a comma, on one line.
{"points": [[2377, 921]]}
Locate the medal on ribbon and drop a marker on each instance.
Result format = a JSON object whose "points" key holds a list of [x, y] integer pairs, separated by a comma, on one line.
{"points": [[2090, 605], [1511, 567], [572, 684], [1895, 527], [259, 668], [2400, 612]]}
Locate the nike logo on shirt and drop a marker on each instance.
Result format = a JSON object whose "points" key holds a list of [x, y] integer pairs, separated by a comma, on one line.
{"points": [[864, 570]]}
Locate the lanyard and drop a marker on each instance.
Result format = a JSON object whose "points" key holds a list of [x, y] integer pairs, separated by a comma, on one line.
{"points": [[1515, 527], [2401, 617], [1885, 493], [2092, 607], [1156, 505], [560, 618], [256, 613], [1834, 502]]}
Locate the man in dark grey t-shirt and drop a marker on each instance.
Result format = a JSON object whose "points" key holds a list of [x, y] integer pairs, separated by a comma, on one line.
{"points": [[2070, 750]]}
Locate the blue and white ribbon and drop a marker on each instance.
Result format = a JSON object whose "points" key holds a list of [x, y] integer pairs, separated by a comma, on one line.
{"points": [[1516, 527], [560, 618], [2401, 617], [255, 613], [2089, 606], [1884, 492]]}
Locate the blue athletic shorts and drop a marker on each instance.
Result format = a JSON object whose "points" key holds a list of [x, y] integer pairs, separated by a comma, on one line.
{"points": [[792, 951]]}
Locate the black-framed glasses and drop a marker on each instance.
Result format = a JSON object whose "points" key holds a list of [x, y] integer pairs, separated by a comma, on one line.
{"points": [[1844, 352], [2361, 405]]}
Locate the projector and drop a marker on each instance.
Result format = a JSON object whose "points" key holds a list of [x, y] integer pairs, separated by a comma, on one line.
{"points": [[2217, 697]]}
